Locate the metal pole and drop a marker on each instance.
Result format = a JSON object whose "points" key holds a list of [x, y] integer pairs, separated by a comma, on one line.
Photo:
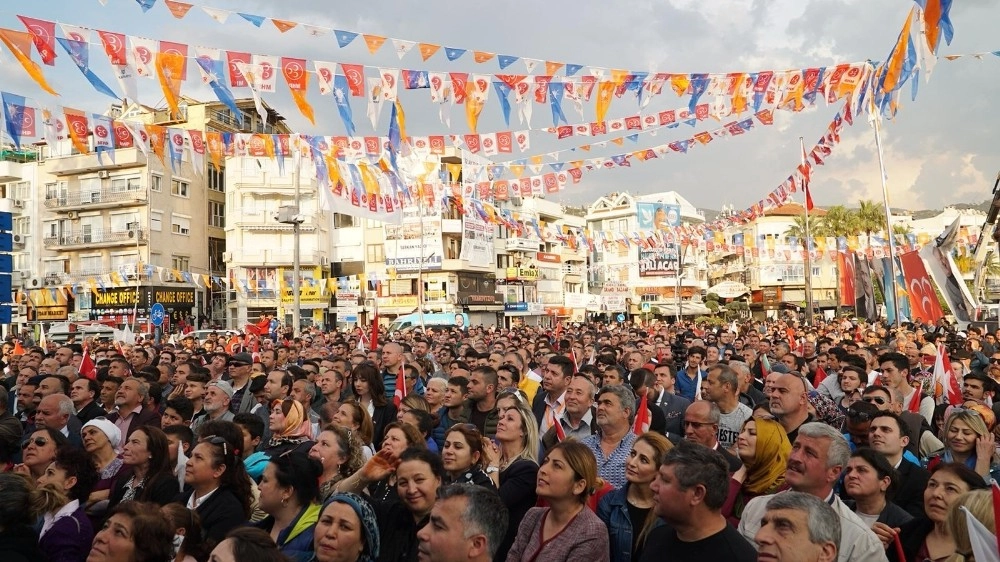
{"points": [[296, 265], [680, 273], [888, 212], [808, 258]]}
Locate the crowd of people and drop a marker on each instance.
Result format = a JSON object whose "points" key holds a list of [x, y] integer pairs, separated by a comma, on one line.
{"points": [[766, 440]]}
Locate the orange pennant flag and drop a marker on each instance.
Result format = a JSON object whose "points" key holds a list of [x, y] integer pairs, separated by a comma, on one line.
{"points": [[427, 50], [482, 56], [473, 105], [19, 44], [216, 148], [294, 71], [552, 67], [169, 70], [76, 122], [283, 25], [894, 66], [177, 9], [794, 91], [157, 140], [374, 42], [618, 141], [679, 83], [604, 92]]}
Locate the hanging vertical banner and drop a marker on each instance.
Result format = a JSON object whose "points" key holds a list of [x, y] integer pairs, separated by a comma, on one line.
{"points": [[920, 289], [417, 240], [946, 276], [845, 270], [477, 237]]}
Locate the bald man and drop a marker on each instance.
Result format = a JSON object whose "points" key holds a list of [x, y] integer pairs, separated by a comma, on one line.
{"points": [[789, 403]]}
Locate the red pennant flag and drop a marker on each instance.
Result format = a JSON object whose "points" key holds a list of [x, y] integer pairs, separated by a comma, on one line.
{"points": [[642, 417], [87, 369], [373, 342], [400, 393], [914, 405], [355, 74], [945, 382], [43, 35], [820, 376], [554, 422]]}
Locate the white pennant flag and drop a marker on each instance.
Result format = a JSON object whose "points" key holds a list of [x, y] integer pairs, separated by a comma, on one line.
{"points": [[143, 55], [403, 47], [390, 84], [325, 72], [375, 98], [217, 14], [983, 542], [266, 71], [250, 74]]}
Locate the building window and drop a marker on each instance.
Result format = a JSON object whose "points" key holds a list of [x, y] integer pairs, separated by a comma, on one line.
{"points": [[156, 221], [180, 263], [22, 226], [217, 214], [179, 188], [376, 253], [344, 221], [121, 185], [180, 225], [217, 179], [155, 182], [90, 265]]}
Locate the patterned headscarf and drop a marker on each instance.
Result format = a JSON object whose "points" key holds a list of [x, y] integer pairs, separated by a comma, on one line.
{"points": [[826, 410], [767, 469], [369, 525]]}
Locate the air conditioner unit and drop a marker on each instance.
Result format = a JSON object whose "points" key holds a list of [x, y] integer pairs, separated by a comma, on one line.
{"points": [[25, 275], [104, 174], [22, 310], [227, 257], [17, 239], [132, 234], [72, 215], [17, 203], [324, 261], [35, 283], [52, 280]]}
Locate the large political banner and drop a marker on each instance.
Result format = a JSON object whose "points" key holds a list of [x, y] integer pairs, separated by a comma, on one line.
{"points": [[477, 240], [415, 244]]}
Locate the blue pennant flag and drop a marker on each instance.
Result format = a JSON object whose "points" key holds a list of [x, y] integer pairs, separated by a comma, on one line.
{"points": [[344, 38], [503, 91], [699, 83], [572, 69], [341, 97], [13, 113], [213, 71], [146, 4], [257, 21], [453, 54], [810, 95], [633, 137], [556, 92], [496, 172], [173, 150], [557, 166], [279, 154], [620, 160], [692, 121], [506, 60], [79, 51]]}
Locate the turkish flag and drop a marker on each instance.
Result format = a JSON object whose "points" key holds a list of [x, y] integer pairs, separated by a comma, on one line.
{"points": [[923, 300]]}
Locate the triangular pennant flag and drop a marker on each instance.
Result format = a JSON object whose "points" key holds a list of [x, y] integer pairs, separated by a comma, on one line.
{"points": [[506, 60], [402, 47], [146, 4], [427, 50], [79, 52], [283, 25], [19, 44], [178, 9], [256, 20], [216, 14], [453, 54], [344, 38], [374, 42], [43, 36]]}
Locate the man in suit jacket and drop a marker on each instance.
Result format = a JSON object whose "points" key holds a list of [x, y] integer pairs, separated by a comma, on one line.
{"points": [[129, 412], [55, 411], [888, 436], [84, 393], [672, 405]]}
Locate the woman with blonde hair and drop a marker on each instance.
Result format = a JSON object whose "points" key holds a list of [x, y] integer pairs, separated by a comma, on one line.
{"points": [[979, 504], [513, 466], [339, 453], [623, 507], [763, 447], [565, 529], [968, 439]]}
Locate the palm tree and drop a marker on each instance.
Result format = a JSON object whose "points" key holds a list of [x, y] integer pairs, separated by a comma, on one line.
{"points": [[841, 221], [903, 229], [871, 218]]}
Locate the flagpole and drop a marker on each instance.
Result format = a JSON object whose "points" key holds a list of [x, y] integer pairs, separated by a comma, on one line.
{"points": [[885, 204], [805, 245]]}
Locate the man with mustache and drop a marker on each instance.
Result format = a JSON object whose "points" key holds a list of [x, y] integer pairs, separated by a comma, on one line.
{"points": [[818, 456]]}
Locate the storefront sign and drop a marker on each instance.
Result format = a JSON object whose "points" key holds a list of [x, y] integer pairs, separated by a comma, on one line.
{"points": [[548, 257], [404, 301], [477, 289], [522, 273], [125, 298]]}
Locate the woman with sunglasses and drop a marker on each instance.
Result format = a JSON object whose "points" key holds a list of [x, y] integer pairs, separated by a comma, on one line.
{"points": [[148, 477], [340, 455], [220, 487], [763, 447], [369, 393], [566, 529], [628, 512], [969, 440], [463, 456], [928, 538], [38, 451], [289, 494]]}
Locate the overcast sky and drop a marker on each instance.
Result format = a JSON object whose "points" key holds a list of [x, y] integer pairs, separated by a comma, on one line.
{"points": [[939, 150]]}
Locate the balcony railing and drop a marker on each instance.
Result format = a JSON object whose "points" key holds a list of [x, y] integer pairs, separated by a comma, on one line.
{"points": [[96, 237], [102, 197]]}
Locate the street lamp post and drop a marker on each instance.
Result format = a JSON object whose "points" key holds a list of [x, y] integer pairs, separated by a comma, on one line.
{"points": [[289, 214]]}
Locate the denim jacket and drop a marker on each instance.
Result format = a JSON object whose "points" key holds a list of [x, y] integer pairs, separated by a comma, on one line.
{"points": [[613, 510]]}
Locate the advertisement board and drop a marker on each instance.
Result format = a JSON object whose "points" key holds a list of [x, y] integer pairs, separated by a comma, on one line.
{"points": [[417, 239]]}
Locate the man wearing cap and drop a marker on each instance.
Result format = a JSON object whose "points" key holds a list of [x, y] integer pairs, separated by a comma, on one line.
{"points": [[218, 396], [240, 369]]}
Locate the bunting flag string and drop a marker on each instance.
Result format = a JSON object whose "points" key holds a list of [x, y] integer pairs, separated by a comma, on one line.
{"points": [[934, 13], [722, 94]]}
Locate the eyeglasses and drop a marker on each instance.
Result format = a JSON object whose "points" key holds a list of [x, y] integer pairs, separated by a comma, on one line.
{"points": [[38, 441], [237, 365], [994, 360], [874, 400], [697, 425]]}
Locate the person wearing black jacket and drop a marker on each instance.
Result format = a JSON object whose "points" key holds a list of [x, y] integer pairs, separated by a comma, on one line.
{"points": [[219, 487], [149, 476]]}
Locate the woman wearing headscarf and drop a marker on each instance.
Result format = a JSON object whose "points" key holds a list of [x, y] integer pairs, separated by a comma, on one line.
{"points": [[763, 447], [290, 429], [101, 439], [360, 543], [824, 409]]}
